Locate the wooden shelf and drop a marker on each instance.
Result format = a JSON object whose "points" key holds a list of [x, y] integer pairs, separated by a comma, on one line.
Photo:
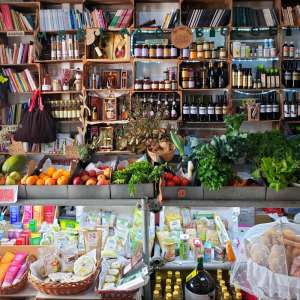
{"points": [[195, 60], [203, 90], [50, 61], [8, 32], [254, 58], [108, 90], [154, 91], [156, 60], [292, 122], [60, 92], [108, 122], [256, 90], [107, 61], [19, 65]]}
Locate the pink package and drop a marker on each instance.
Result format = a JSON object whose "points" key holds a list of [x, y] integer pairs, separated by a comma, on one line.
{"points": [[27, 214], [14, 269], [20, 273]]}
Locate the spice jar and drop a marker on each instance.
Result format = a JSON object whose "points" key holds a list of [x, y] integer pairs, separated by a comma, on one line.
{"points": [[200, 47], [161, 86], [56, 86], [152, 51], [174, 52], [222, 52], [211, 45], [138, 84], [214, 53], [155, 85], [185, 53], [174, 85], [168, 85], [205, 46], [207, 54], [138, 51], [185, 72], [200, 54], [166, 75], [167, 51], [147, 84], [193, 51], [185, 83], [191, 83], [145, 51], [159, 51]]}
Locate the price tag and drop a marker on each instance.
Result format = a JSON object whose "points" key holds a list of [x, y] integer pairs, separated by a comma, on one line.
{"points": [[8, 194], [15, 33]]}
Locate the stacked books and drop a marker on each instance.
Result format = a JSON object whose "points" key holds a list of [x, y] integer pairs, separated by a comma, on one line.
{"points": [[20, 82], [291, 15], [13, 20], [60, 19], [249, 17], [18, 54], [122, 18], [207, 17], [13, 114], [171, 19]]}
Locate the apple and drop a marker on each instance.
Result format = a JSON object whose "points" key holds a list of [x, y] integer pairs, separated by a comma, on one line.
{"points": [[83, 172], [91, 181], [77, 181], [101, 177], [10, 181], [92, 173], [85, 178], [15, 175], [107, 172]]}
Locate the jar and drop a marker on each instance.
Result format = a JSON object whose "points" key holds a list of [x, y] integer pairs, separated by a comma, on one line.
{"points": [[191, 72], [159, 51], [191, 83], [138, 51], [147, 84], [185, 53], [200, 54], [168, 85], [193, 54], [200, 47], [166, 75], [65, 86], [170, 254], [155, 85], [138, 85], [214, 53], [161, 86], [207, 54], [145, 51], [185, 72], [185, 83], [211, 45], [56, 86], [173, 85], [152, 51], [174, 52], [222, 52], [205, 46], [167, 51]]}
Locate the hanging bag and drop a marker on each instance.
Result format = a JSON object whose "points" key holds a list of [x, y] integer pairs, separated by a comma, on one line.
{"points": [[37, 125]]}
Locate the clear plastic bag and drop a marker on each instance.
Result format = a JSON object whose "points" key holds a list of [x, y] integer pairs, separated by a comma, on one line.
{"points": [[268, 263]]}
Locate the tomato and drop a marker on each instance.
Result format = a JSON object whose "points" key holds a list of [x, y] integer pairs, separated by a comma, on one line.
{"points": [[177, 180], [170, 183], [168, 176], [185, 181]]}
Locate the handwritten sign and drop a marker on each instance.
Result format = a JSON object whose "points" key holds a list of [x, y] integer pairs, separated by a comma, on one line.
{"points": [[15, 33], [8, 194]]}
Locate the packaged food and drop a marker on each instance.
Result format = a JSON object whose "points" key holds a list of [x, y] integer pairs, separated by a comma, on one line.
{"points": [[108, 286], [110, 279], [85, 265]]}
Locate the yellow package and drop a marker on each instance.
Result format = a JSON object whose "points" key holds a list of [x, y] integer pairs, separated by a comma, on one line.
{"points": [[7, 258], [38, 214], [3, 269]]}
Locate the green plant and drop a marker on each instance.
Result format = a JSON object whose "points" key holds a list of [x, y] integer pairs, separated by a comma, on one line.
{"points": [[279, 173]]}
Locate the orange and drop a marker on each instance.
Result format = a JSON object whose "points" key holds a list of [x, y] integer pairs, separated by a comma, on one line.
{"points": [[51, 171], [57, 174], [50, 181], [66, 173], [43, 175], [63, 180], [31, 180], [40, 181]]}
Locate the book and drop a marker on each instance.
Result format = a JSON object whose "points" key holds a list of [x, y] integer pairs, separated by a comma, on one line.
{"points": [[12, 115], [16, 54]]}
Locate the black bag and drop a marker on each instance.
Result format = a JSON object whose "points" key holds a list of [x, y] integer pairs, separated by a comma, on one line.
{"points": [[37, 125]]}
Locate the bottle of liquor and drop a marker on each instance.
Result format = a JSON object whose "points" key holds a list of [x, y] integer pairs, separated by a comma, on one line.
{"points": [[240, 77], [263, 108], [221, 76], [249, 80], [224, 101], [202, 110], [245, 79], [293, 108], [201, 285], [151, 109], [277, 78], [211, 110], [211, 77], [286, 107], [291, 50], [167, 110], [269, 107], [186, 109], [234, 76], [158, 110], [287, 76], [285, 50], [194, 109], [156, 295], [219, 109], [275, 108], [263, 77], [174, 112]]}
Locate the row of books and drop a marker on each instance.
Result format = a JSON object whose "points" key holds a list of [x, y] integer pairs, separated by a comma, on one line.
{"points": [[246, 16], [291, 15], [12, 115], [171, 19], [207, 17], [19, 82], [17, 54], [97, 18], [60, 19], [13, 20]]}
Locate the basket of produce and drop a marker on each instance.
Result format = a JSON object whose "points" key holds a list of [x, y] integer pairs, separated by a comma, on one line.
{"points": [[268, 264], [57, 275], [14, 272], [116, 283]]}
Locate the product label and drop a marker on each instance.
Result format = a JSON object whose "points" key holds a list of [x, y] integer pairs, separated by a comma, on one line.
{"points": [[287, 111], [263, 108], [8, 194], [219, 110], [210, 110], [269, 108], [194, 110], [275, 108], [202, 110], [186, 110]]}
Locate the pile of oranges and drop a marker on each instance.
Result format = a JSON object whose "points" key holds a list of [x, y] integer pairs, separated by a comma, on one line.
{"points": [[51, 177]]}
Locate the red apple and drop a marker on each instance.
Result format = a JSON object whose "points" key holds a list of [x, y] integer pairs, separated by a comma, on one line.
{"points": [[77, 181], [91, 181], [85, 178], [92, 173]]}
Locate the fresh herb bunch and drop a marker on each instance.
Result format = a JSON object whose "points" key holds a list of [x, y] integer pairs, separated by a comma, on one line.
{"points": [[137, 173], [279, 173], [212, 171]]}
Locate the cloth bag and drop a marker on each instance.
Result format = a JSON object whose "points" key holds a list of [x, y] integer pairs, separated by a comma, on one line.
{"points": [[37, 125]]}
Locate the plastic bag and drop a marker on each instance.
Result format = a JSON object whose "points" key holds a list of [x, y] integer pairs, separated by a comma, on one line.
{"points": [[268, 261]]}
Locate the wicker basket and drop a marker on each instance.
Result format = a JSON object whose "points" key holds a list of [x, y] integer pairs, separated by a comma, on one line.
{"points": [[116, 295], [64, 289], [17, 287]]}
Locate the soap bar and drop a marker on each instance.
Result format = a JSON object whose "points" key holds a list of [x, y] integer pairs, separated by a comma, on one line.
{"points": [[84, 266]]}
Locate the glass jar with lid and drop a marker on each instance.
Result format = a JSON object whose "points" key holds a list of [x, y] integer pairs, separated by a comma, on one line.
{"points": [[174, 52], [193, 51], [161, 86], [200, 46], [185, 83], [185, 53], [205, 45], [185, 72], [159, 51], [138, 50], [174, 85], [155, 85], [147, 84], [152, 51], [145, 51], [138, 84], [222, 52], [168, 85], [167, 51]]}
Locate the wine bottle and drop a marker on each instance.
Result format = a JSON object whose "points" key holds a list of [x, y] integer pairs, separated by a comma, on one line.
{"points": [[293, 107], [263, 108], [275, 108], [219, 110], [269, 107], [286, 107], [202, 110], [186, 109], [211, 110], [194, 109]]}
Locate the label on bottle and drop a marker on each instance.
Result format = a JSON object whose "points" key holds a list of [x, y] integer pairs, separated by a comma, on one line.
{"points": [[219, 110], [224, 110], [194, 110], [137, 52], [275, 108], [287, 113], [210, 110], [293, 111], [263, 108], [173, 113], [269, 81], [285, 51], [145, 52], [263, 80], [269, 108], [292, 52], [186, 110], [202, 110]]}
